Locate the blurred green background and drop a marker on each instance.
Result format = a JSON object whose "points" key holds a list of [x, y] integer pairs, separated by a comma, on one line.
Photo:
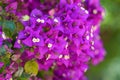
{"points": [[109, 69]]}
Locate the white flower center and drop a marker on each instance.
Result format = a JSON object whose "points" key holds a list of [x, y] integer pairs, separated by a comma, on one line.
{"points": [[91, 34], [66, 57], [60, 56], [40, 20], [48, 56], [92, 48], [18, 41], [36, 40], [49, 45], [92, 42], [66, 46], [95, 11], [87, 37], [84, 10], [55, 20]]}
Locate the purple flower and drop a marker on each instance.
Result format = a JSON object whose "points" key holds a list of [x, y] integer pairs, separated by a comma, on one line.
{"points": [[1, 40], [62, 36], [33, 39], [12, 7], [17, 44]]}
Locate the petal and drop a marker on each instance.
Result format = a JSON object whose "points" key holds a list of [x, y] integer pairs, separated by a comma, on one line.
{"points": [[28, 41]]}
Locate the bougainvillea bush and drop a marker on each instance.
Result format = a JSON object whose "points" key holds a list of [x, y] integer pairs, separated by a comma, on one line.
{"points": [[49, 39]]}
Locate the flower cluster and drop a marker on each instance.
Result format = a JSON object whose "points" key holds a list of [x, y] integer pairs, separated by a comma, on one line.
{"points": [[49, 39]]}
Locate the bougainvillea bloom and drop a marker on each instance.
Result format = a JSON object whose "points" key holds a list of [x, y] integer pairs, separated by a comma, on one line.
{"points": [[49, 39]]}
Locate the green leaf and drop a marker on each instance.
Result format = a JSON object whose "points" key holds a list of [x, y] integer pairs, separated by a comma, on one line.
{"points": [[23, 48], [1, 22], [8, 44], [31, 67], [8, 28], [2, 69], [41, 74], [42, 1], [24, 76], [19, 26], [2, 51], [2, 4], [21, 78], [5, 59]]}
